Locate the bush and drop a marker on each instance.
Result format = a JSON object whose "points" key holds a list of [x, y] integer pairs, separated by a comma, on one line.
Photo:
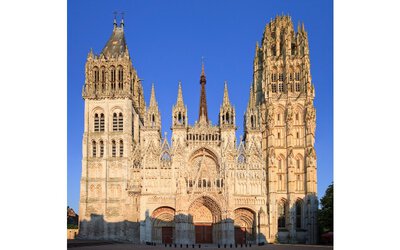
{"points": [[72, 226]]}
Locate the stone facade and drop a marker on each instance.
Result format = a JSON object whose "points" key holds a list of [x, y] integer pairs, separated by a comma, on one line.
{"points": [[204, 186]]}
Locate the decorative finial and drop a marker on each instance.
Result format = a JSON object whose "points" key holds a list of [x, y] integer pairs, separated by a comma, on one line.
{"points": [[122, 20], [115, 19], [202, 65]]}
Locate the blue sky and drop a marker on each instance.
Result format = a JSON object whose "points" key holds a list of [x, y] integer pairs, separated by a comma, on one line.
{"points": [[167, 39]]}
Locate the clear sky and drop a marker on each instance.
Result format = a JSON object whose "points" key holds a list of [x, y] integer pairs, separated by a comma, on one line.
{"points": [[166, 40]]}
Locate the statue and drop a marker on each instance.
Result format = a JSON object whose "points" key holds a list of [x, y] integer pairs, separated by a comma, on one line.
{"points": [[271, 156]]}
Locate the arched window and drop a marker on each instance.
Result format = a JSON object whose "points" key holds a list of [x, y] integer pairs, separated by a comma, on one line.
{"points": [[280, 77], [273, 88], [252, 121], [297, 87], [280, 164], [293, 49], [297, 76], [121, 148], [282, 211], [280, 87], [120, 76], [217, 183], [115, 122], [96, 122], [179, 118], [120, 122], [94, 147], [113, 148], [101, 148], [298, 214], [204, 183], [112, 78], [102, 122], [95, 75], [103, 75]]}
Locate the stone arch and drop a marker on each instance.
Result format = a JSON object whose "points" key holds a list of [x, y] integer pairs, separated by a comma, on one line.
{"points": [[204, 165], [211, 204], [205, 217], [245, 225], [163, 224]]}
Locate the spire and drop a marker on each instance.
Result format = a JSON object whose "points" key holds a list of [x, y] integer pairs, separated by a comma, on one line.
{"points": [[203, 101], [179, 99], [251, 98], [116, 44], [226, 101], [153, 101]]}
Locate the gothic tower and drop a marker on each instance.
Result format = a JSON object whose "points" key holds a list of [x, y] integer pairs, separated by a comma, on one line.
{"points": [[114, 110], [284, 96]]}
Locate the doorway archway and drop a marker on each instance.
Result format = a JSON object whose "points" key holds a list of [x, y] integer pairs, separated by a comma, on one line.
{"points": [[205, 216]]}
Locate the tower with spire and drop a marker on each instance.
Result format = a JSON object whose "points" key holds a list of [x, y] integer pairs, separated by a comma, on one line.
{"points": [[114, 114]]}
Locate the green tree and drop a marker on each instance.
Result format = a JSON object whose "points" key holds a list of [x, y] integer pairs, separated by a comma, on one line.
{"points": [[325, 214]]}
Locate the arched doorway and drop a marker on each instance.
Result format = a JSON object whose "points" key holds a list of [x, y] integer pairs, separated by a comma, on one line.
{"points": [[163, 225], [205, 215], [245, 225]]}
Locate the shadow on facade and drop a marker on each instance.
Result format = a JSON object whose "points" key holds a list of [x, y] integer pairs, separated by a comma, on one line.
{"points": [[99, 229], [287, 221], [180, 230], [297, 220]]}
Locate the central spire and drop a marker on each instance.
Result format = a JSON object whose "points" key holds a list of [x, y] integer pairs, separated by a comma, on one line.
{"points": [[203, 101]]}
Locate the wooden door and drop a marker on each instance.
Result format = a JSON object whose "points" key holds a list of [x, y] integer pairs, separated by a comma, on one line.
{"points": [[167, 235], [240, 235], [203, 234]]}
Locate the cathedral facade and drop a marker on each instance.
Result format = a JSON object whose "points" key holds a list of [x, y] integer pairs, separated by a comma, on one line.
{"points": [[205, 185]]}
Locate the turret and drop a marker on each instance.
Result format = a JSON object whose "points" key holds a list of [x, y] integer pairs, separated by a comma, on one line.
{"points": [[179, 111], [153, 117], [227, 111]]}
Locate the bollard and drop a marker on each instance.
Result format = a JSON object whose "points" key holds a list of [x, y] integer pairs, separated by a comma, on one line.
{"points": [[187, 245], [249, 244], [218, 245], [224, 245], [170, 245], [181, 245], [175, 245], [235, 245], [199, 245], [246, 245], [193, 245]]}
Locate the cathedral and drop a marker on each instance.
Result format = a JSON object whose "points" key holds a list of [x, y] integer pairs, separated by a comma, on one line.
{"points": [[205, 185]]}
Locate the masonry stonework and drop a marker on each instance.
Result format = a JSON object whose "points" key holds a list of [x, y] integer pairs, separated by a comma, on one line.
{"points": [[204, 186]]}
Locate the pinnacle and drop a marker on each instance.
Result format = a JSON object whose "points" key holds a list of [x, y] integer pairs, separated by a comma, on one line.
{"points": [[179, 100], [226, 95], [153, 101]]}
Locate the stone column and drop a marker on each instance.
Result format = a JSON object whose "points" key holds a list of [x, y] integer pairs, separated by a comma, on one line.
{"points": [[230, 231]]}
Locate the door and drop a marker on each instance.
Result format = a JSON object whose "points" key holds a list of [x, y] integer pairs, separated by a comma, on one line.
{"points": [[203, 234], [167, 235], [240, 235]]}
